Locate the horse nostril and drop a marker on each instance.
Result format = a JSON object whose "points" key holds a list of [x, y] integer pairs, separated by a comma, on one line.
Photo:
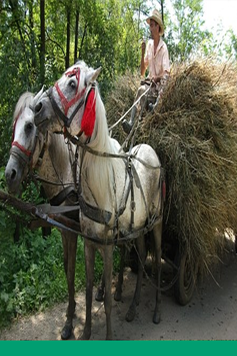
{"points": [[13, 174], [38, 107]]}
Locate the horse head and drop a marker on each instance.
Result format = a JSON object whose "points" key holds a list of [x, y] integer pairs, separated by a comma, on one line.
{"points": [[70, 104], [26, 142]]}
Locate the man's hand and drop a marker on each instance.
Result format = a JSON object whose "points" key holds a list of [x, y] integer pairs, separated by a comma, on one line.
{"points": [[156, 79], [146, 81]]}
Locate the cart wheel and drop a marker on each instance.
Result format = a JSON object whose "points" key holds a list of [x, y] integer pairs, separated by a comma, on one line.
{"points": [[187, 273]]}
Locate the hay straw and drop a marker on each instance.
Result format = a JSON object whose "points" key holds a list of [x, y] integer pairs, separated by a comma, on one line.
{"points": [[194, 132]]}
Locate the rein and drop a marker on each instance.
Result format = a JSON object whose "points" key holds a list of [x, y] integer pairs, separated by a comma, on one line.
{"points": [[125, 156], [134, 104]]}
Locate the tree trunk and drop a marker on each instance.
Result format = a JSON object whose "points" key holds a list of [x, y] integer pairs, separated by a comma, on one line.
{"points": [[82, 41], [76, 36], [162, 9], [32, 38], [67, 59], [42, 41], [14, 9]]}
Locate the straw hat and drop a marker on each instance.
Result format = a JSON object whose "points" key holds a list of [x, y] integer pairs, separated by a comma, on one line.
{"points": [[157, 18]]}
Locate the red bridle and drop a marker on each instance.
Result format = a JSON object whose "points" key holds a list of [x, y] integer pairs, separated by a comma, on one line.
{"points": [[27, 154], [65, 103], [85, 97], [22, 148]]}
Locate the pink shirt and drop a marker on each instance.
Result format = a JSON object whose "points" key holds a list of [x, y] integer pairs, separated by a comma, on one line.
{"points": [[158, 63]]}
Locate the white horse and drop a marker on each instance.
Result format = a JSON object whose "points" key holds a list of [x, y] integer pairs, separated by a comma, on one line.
{"points": [[119, 194], [51, 157]]}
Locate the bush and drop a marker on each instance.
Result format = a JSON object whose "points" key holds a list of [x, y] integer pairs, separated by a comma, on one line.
{"points": [[32, 273]]}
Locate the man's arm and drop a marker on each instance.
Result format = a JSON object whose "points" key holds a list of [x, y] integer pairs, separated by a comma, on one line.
{"points": [[143, 65]]}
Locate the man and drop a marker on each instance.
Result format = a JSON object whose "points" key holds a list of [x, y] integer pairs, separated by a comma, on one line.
{"points": [[156, 58]]}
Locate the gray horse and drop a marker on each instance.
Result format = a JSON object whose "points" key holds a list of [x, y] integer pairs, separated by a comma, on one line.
{"points": [[51, 156]]}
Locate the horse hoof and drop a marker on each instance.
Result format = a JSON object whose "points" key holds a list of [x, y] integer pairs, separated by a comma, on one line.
{"points": [[156, 318], [66, 332], [99, 297], [130, 315], [118, 296]]}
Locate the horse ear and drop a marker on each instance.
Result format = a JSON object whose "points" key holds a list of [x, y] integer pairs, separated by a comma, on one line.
{"points": [[92, 76], [38, 95]]}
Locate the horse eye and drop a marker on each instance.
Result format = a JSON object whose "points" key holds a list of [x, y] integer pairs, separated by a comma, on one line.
{"points": [[29, 127], [72, 84]]}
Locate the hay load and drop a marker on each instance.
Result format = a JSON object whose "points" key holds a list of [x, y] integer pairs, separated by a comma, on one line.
{"points": [[119, 100], [194, 132]]}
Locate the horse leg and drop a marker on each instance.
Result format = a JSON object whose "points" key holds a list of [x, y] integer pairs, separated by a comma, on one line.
{"points": [[69, 249], [140, 244], [118, 291], [100, 290], [108, 269], [89, 264], [157, 233]]}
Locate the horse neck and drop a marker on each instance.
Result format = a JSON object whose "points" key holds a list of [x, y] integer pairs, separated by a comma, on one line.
{"points": [[100, 140], [55, 166], [99, 171]]}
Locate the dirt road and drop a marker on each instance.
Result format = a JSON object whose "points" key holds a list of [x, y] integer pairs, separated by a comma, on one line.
{"points": [[211, 315]]}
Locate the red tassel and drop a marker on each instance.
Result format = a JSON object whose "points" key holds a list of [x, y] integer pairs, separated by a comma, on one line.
{"points": [[88, 119]]}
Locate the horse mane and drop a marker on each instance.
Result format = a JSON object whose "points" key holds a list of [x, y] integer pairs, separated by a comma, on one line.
{"points": [[101, 167], [24, 101]]}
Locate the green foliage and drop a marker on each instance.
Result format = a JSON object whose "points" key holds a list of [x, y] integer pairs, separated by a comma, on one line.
{"points": [[231, 45], [185, 35], [23, 265], [32, 275], [108, 36]]}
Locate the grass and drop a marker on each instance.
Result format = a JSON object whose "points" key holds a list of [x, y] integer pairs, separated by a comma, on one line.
{"points": [[32, 275]]}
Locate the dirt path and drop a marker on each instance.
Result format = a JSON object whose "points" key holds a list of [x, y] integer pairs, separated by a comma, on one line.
{"points": [[211, 315]]}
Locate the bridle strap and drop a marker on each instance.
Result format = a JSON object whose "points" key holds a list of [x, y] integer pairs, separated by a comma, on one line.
{"points": [[56, 108], [17, 152], [27, 155], [22, 148], [17, 149], [65, 103], [67, 120]]}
